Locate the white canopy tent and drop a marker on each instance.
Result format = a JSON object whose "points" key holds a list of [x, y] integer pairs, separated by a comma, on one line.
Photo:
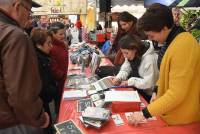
{"points": [[135, 7]]}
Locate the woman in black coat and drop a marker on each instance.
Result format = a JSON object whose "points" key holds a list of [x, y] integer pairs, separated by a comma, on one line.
{"points": [[43, 44]]}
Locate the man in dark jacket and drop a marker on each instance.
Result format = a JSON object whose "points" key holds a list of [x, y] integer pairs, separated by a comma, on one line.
{"points": [[21, 110]]}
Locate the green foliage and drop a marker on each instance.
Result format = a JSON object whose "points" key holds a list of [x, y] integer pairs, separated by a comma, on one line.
{"points": [[186, 18], [196, 33]]}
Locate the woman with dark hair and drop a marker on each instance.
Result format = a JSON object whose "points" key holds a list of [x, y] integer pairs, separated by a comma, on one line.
{"points": [[59, 56], [140, 65], [178, 95], [127, 25], [43, 44]]}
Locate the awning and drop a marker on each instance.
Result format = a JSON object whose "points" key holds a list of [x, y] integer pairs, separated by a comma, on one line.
{"points": [[174, 3]]}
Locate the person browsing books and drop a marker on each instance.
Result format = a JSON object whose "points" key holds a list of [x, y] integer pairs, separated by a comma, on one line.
{"points": [[42, 40], [59, 56], [140, 66], [178, 95], [21, 110]]}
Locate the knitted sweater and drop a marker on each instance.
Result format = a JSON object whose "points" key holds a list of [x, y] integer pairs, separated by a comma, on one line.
{"points": [[178, 98]]}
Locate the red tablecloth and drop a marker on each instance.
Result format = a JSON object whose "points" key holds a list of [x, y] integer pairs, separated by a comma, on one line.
{"points": [[68, 111]]}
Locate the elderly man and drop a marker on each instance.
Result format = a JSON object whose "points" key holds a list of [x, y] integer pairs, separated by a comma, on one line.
{"points": [[21, 110]]}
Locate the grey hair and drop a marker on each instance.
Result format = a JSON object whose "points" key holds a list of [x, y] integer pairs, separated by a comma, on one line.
{"points": [[6, 2]]}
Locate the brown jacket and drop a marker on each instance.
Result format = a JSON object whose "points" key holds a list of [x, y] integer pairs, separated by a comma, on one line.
{"points": [[20, 83]]}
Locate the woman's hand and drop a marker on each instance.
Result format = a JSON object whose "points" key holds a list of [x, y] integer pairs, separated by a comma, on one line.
{"points": [[116, 81], [124, 83], [136, 118]]}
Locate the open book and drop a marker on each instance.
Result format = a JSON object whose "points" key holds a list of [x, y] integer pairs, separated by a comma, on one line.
{"points": [[102, 84]]}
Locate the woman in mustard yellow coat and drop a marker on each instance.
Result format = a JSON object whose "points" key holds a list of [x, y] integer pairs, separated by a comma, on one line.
{"points": [[178, 96]]}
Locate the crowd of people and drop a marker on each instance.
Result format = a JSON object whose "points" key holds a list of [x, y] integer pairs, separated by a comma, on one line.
{"points": [[34, 64]]}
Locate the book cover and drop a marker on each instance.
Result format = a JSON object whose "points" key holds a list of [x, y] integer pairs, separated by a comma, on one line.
{"points": [[95, 62], [96, 113], [76, 80], [83, 104], [74, 94], [67, 127]]}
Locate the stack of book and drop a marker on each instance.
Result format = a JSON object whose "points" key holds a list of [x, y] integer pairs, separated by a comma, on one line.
{"points": [[95, 116]]}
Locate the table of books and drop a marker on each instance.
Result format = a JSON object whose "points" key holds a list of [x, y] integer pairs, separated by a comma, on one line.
{"points": [[68, 111]]}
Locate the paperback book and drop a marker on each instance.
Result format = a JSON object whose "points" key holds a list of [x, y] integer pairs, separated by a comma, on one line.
{"points": [[96, 113], [91, 123]]}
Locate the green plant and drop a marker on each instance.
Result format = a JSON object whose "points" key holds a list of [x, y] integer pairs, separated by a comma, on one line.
{"points": [[187, 22]]}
